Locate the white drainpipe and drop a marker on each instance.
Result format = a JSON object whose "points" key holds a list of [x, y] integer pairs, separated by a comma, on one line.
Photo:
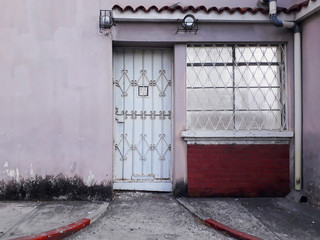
{"points": [[298, 111], [297, 87]]}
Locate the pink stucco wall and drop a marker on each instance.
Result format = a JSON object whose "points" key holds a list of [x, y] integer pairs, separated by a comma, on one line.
{"points": [[55, 73], [180, 146], [311, 113], [56, 82]]}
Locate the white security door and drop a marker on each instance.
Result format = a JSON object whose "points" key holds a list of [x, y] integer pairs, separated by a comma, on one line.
{"points": [[142, 145]]}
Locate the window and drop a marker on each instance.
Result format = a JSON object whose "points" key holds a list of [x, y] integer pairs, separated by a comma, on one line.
{"points": [[236, 87]]}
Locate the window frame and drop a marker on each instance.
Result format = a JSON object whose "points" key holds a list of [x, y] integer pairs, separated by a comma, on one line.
{"points": [[282, 86]]}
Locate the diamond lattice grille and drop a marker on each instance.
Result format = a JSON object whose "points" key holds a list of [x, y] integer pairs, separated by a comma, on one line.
{"points": [[236, 87], [142, 91]]}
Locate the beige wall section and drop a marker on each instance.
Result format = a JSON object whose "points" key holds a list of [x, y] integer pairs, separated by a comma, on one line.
{"points": [[55, 77], [180, 146]]}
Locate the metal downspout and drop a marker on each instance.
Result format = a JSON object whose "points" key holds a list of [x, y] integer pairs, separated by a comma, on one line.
{"points": [[297, 87]]}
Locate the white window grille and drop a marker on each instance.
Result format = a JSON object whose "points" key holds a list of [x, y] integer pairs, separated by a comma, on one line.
{"points": [[236, 87]]}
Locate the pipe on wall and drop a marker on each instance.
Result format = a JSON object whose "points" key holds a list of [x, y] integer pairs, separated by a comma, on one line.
{"points": [[298, 110], [297, 87]]}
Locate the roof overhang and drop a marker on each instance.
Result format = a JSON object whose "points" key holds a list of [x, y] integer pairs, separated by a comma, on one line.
{"points": [[297, 13], [313, 7], [236, 17]]}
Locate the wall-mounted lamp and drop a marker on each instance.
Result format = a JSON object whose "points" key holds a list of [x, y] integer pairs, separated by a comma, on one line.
{"points": [[188, 24], [105, 20]]}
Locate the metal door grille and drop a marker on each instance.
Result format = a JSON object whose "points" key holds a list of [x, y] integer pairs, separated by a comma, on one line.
{"points": [[142, 85]]}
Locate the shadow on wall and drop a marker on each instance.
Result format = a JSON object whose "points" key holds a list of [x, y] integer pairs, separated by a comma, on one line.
{"points": [[54, 188]]}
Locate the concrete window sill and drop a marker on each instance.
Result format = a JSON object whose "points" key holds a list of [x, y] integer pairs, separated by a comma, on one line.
{"points": [[236, 137]]}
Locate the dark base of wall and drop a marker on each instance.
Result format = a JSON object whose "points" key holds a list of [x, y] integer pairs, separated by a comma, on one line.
{"points": [[54, 188], [241, 193], [312, 192], [180, 189], [238, 170]]}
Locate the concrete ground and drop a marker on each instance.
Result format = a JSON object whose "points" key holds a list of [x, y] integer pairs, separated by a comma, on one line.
{"points": [[265, 218], [150, 216], [147, 216], [20, 219]]}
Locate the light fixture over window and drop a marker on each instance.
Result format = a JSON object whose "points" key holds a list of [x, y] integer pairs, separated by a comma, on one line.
{"points": [[188, 24], [105, 20]]}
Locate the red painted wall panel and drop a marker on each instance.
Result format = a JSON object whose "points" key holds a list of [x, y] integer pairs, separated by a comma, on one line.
{"points": [[238, 170]]}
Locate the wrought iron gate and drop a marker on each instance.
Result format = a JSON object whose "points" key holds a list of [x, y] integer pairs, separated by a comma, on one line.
{"points": [[142, 146]]}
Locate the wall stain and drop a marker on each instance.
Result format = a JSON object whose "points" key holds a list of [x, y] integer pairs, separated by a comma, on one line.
{"points": [[57, 187], [180, 189], [311, 173]]}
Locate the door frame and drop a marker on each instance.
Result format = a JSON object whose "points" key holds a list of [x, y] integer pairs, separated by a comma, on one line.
{"points": [[163, 186]]}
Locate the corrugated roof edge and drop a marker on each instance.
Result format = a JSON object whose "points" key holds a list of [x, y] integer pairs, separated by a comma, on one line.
{"points": [[292, 9]]}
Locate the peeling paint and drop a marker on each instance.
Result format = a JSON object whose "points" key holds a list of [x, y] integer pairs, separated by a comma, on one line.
{"points": [[12, 173], [32, 176], [90, 179], [17, 176]]}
